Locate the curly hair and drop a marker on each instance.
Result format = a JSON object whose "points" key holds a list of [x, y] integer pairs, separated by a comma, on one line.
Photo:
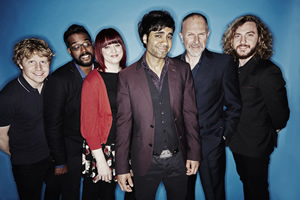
{"points": [[264, 47], [30, 46]]}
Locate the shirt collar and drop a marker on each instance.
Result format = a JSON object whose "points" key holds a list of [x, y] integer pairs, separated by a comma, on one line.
{"points": [[146, 66], [22, 81], [82, 74]]}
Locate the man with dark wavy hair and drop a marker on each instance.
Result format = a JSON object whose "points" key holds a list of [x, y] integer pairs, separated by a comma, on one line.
{"points": [[157, 116], [265, 108]]}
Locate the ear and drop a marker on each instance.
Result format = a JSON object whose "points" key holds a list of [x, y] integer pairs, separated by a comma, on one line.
{"points": [[145, 38], [21, 66], [181, 36], [69, 50]]}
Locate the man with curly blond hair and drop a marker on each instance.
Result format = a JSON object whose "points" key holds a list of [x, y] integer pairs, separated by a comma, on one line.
{"points": [[265, 108], [22, 133]]}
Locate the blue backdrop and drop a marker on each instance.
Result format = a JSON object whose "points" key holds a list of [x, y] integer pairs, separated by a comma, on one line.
{"points": [[49, 19]]}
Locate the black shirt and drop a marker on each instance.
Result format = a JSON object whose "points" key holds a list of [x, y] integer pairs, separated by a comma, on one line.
{"points": [[21, 107], [110, 80]]}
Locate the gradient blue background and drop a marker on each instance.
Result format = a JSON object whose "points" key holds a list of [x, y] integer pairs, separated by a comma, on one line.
{"points": [[49, 19]]}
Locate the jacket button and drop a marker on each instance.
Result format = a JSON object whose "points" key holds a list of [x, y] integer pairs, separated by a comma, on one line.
{"points": [[151, 126], [150, 145]]}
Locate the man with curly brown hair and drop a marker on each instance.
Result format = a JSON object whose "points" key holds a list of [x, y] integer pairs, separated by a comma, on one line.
{"points": [[265, 108]]}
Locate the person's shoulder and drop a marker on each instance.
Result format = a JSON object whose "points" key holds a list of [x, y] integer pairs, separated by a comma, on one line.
{"points": [[131, 68], [266, 67], [10, 87], [177, 57], [63, 70], [93, 75], [179, 63], [217, 55]]}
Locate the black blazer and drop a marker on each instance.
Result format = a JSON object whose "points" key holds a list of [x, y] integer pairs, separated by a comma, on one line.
{"points": [[265, 108], [62, 99], [216, 85]]}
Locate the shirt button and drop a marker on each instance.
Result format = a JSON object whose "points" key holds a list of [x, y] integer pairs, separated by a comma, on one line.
{"points": [[150, 145], [151, 126]]}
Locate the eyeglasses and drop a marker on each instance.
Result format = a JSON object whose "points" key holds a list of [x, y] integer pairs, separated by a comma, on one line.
{"points": [[78, 46]]}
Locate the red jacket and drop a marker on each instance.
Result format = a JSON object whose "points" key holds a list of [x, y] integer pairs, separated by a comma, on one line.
{"points": [[96, 116]]}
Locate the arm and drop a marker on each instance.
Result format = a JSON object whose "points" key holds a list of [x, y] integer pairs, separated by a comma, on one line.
{"points": [[190, 113], [232, 100], [123, 127], [272, 87], [4, 139], [96, 117], [104, 172], [54, 104], [92, 125]]}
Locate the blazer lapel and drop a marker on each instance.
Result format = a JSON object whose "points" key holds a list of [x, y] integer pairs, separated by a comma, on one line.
{"points": [[142, 83], [172, 76]]}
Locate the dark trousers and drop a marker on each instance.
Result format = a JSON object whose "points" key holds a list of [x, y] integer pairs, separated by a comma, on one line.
{"points": [[29, 179], [68, 185], [101, 190], [171, 171], [212, 175], [253, 173]]}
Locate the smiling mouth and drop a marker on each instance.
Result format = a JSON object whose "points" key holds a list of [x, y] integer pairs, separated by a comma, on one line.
{"points": [[85, 56], [38, 74]]}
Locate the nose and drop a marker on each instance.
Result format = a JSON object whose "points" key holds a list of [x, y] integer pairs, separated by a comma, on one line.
{"points": [[38, 66], [243, 39], [197, 39], [83, 48], [114, 49]]}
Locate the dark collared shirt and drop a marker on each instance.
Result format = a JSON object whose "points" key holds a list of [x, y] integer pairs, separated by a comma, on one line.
{"points": [[21, 107], [195, 69], [158, 82]]}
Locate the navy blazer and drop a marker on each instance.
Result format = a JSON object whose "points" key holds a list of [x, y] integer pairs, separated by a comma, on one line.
{"points": [[218, 99], [135, 117]]}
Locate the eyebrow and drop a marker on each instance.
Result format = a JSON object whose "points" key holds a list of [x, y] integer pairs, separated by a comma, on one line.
{"points": [[83, 40]]}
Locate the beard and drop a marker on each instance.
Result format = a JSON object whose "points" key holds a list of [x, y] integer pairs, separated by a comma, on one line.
{"points": [[84, 64], [251, 53]]}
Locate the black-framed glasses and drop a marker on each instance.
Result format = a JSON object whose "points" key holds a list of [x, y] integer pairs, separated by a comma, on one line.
{"points": [[78, 46]]}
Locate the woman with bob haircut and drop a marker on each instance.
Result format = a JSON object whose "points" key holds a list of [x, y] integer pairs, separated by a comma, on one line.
{"points": [[98, 116]]}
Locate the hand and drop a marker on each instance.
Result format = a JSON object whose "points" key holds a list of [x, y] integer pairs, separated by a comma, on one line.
{"points": [[104, 172], [192, 167], [61, 170], [123, 179], [277, 130]]}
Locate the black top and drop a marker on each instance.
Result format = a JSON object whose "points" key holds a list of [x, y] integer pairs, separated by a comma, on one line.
{"points": [[21, 107], [110, 80], [165, 136]]}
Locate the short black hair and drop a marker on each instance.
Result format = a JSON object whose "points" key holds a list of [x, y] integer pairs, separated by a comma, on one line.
{"points": [[75, 29], [154, 21], [194, 14]]}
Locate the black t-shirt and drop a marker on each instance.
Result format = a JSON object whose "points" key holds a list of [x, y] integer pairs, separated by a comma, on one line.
{"points": [[21, 107]]}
